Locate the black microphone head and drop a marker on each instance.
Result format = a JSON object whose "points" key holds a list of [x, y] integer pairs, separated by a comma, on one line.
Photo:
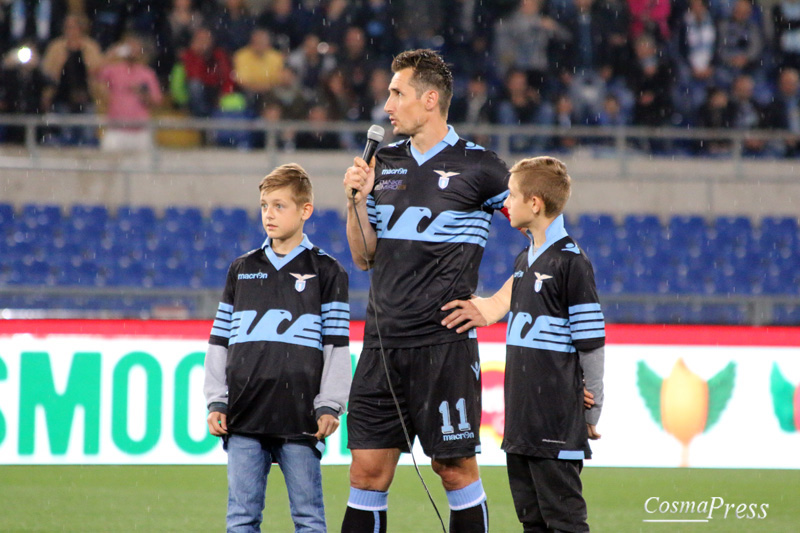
{"points": [[375, 133]]}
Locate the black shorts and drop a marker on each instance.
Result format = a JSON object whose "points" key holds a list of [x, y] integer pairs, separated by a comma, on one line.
{"points": [[547, 493], [439, 392]]}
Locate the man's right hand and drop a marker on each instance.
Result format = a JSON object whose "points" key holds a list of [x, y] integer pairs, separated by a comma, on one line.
{"points": [[360, 178], [217, 423]]}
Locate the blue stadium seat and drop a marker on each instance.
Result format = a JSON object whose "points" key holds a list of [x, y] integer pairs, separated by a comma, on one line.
{"points": [[6, 214], [138, 219], [42, 215], [88, 216]]}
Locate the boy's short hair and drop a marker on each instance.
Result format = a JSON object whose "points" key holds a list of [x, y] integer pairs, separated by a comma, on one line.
{"points": [[293, 176], [430, 72], [547, 178]]}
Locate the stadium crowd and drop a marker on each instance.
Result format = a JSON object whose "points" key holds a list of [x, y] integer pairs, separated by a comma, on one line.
{"points": [[730, 64]]}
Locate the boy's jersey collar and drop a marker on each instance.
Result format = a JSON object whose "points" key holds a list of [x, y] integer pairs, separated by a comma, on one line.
{"points": [[554, 233], [280, 262]]}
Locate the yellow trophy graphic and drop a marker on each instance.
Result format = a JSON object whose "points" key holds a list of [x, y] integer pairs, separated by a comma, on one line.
{"points": [[683, 404]]}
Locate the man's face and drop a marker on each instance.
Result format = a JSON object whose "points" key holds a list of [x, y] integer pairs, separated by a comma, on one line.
{"points": [[406, 111], [520, 214], [281, 216]]}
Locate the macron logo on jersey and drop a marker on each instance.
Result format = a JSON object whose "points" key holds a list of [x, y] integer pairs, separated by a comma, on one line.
{"points": [[570, 247], [393, 171], [255, 275]]}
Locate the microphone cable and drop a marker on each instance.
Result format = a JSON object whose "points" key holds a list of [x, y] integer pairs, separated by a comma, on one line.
{"points": [[371, 299]]}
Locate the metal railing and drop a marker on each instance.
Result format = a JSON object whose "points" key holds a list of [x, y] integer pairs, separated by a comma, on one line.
{"points": [[618, 142]]}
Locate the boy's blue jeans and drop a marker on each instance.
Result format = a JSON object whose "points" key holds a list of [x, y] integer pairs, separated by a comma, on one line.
{"points": [[249, 464]]}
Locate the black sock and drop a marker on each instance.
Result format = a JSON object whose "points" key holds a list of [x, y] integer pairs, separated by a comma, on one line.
{"points": [[358, 521], [470, 520]]}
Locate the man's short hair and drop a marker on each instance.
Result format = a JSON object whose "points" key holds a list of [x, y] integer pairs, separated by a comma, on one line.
{"points": [[430, 72], [547, 178], [293, 176]]}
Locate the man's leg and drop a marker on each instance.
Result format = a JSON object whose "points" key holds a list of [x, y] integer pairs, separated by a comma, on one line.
{"points": [[248, 467], [371, 474], [462, 483], [300, 465]]}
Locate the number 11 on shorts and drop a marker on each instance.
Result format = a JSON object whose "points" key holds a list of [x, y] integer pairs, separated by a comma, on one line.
{"points": [[461, 407]]}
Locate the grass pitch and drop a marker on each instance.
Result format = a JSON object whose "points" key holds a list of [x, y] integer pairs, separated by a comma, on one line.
{"points": [[193, 498]]}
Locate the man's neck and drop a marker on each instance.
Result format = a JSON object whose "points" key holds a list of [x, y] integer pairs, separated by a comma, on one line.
{"points": [[429, 135]]}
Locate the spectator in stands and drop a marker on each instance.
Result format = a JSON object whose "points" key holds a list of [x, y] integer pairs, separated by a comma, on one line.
{"points": [[588, 67], [318, 138], [355, 60], [784, 112], [617, 22], [288, 24], [184, 20], [332, 21], [335, 94], [564, 115], [70, 64], [740, 46], [786, 33], [21, 87], [257, 67], [748, 114], [523, 41], [288, 94], [232, 25], [32, 22], [696, 42], [522, 104], [129, 89], [312, 63], [208, 73], [651, 81], [612, 114], [474, 108], [650, 17], [717, 112], [377, 18], [371, 103]]}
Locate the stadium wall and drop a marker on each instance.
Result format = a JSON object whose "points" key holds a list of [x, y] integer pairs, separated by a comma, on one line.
{"points": [[130, 392], [210, 178]]}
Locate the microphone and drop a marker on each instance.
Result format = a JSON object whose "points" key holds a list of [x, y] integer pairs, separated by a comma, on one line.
{"points": [[374, 138]]}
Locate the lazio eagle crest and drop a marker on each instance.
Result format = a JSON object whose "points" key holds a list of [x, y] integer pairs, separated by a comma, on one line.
{"points": [[300, 284], [539, 280], [444, 177]]}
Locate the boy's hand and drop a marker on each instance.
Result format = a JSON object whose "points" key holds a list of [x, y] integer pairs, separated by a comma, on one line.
{"points": [[465, 313], [588, 399], [593, 434], [359, 178], [217, 423], [326, 425]]}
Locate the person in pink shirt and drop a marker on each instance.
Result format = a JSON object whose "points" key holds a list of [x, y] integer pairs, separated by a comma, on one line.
{"points": [[130, 90]]}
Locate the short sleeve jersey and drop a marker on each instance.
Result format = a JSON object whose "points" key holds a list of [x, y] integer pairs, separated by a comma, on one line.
{"points": [[431, 213], [275, 316], [555, 312]]}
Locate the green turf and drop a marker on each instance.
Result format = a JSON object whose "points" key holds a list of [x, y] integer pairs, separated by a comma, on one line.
{"points": [[192, 498]]}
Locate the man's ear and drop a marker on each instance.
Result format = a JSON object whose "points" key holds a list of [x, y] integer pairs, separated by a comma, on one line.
{"points": [[430, 99]]}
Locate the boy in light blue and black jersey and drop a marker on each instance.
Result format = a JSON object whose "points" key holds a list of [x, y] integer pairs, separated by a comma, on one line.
{"points": [[278, 365], [555, 347]]}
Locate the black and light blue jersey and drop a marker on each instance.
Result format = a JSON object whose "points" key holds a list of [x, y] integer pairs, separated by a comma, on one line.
{"points": [[555, 312], [275, 316], [431, 213]]}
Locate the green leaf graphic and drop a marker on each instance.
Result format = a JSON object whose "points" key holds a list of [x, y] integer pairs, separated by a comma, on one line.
{"points": [[720, 388], [649, 384], [782, 395]]}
